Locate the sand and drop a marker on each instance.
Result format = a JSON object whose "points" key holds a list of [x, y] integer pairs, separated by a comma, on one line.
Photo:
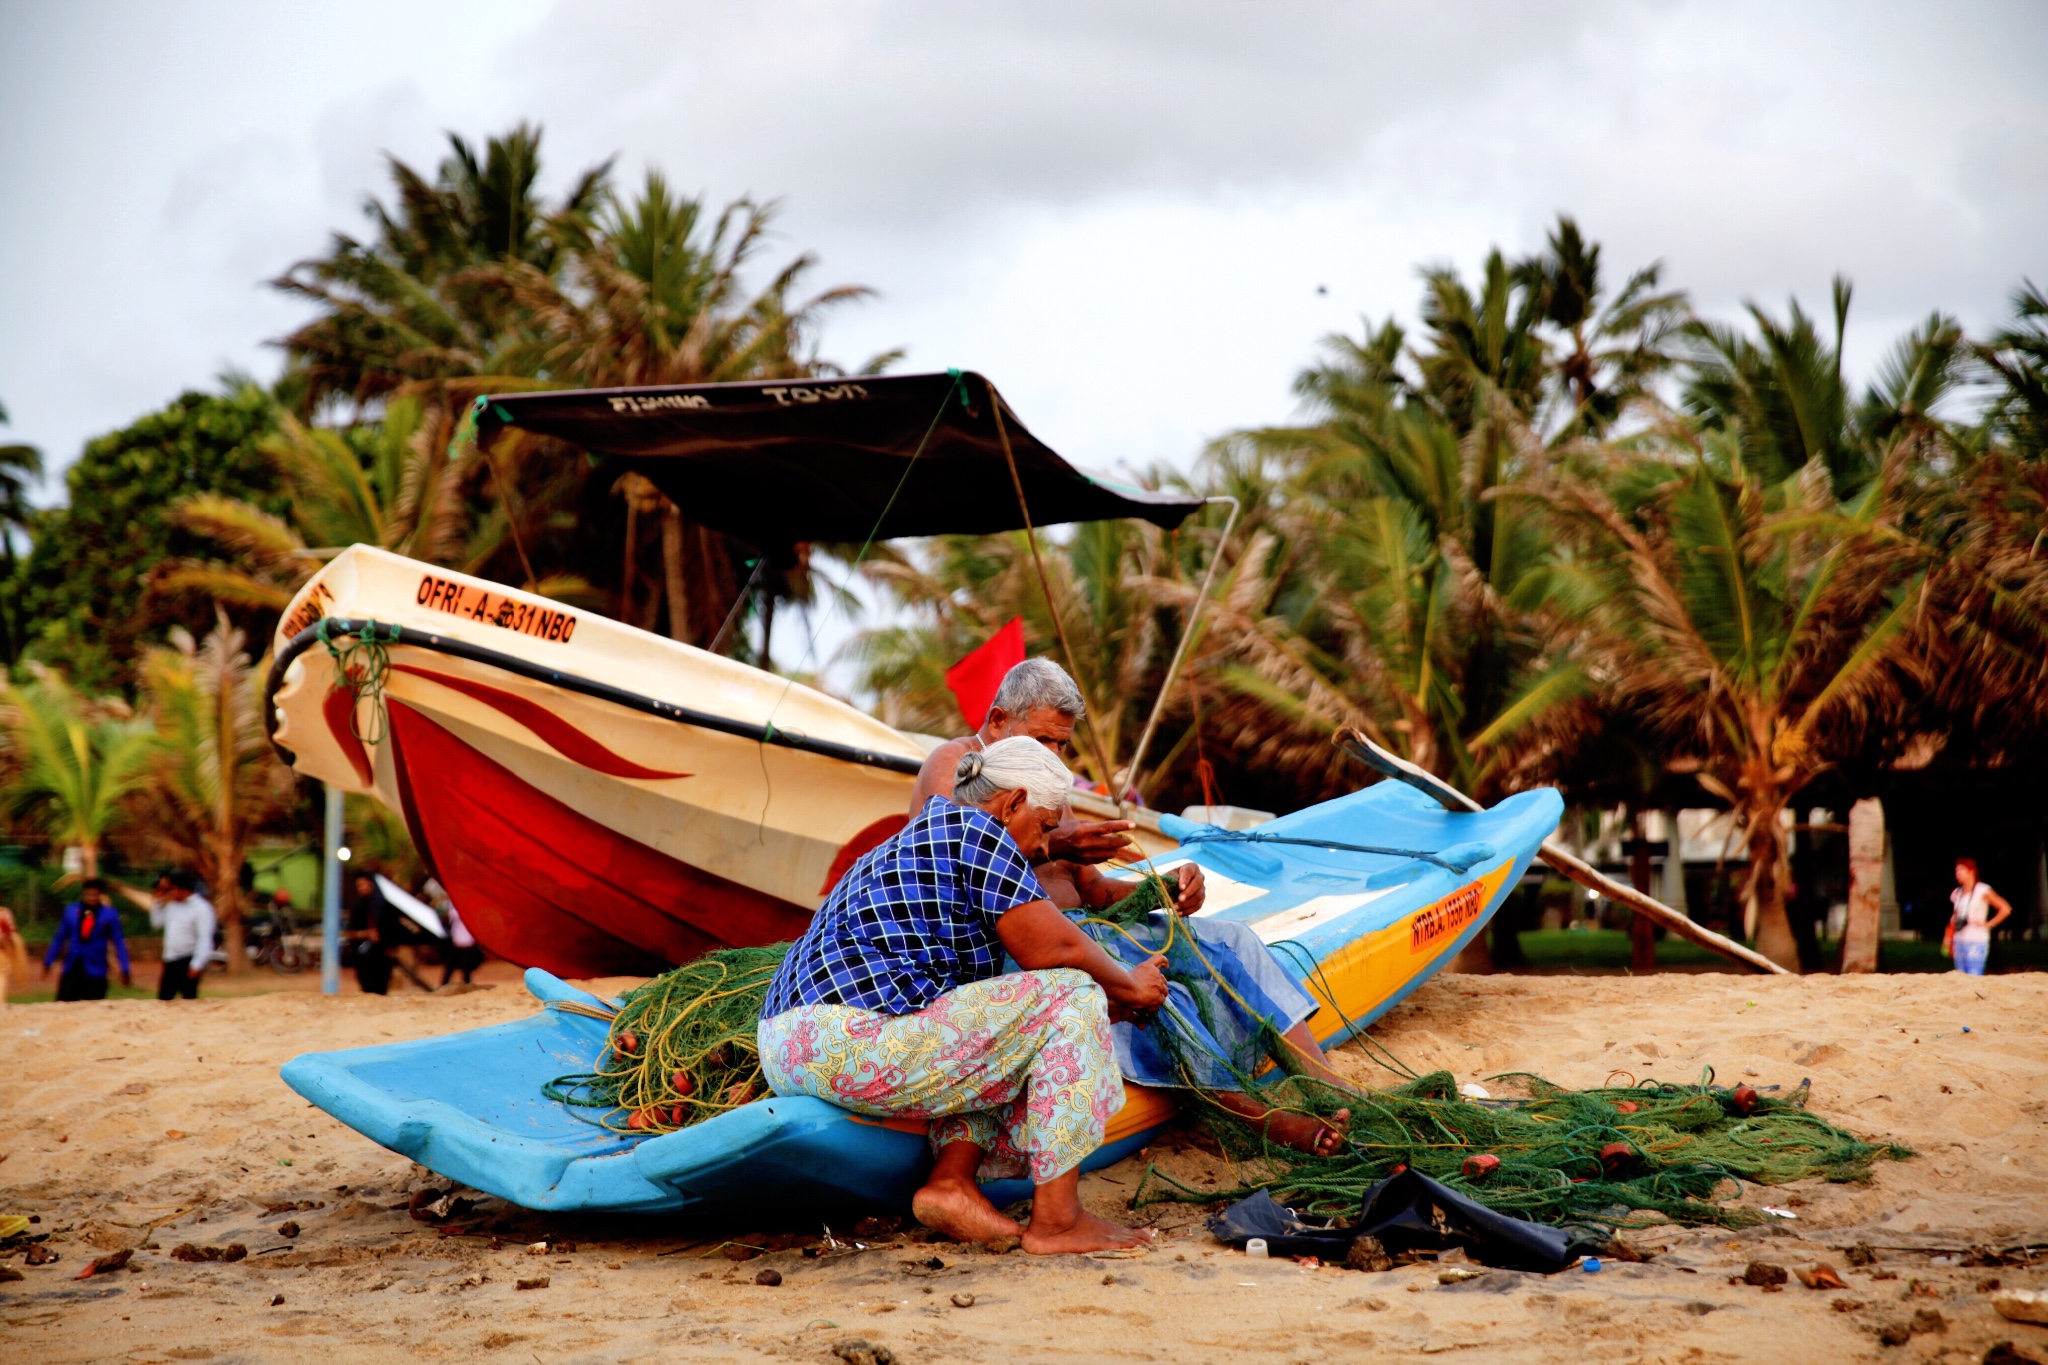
{"points": [[129, 1124]]}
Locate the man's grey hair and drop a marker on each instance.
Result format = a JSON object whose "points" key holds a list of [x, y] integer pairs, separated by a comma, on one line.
{"points": [[1039, 684], [1009, 764]]}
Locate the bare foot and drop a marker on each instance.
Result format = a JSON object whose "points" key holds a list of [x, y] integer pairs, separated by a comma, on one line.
{"points": [[1085, 1232], [959, 1209], [1307, 1133]]}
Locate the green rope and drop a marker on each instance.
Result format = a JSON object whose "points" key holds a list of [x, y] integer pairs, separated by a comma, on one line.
{"points": [[361, 668], [681, 1048]]}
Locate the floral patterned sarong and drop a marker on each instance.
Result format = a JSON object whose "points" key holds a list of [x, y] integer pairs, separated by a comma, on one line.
{"points": [[1020, 1065]]}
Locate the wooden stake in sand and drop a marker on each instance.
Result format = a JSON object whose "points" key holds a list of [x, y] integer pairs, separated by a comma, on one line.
{"points": [[1585, 874]]}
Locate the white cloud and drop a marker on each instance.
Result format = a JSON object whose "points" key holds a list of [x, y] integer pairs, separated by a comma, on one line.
{"points": [[1120, 211]]}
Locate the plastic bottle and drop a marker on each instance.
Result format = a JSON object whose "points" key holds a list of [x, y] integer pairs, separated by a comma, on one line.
{"points": [[1255, 1247]]}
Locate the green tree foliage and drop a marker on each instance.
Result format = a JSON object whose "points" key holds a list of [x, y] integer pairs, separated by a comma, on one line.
{"points": [[21, 466], [84, 586], [71, 759], [213, 782], [405, 306]]}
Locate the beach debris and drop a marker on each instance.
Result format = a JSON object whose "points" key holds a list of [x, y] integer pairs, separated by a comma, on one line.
{"points": [[1367, 1253], [1989, 1285], [288, 1230], [1002, 1246], [12, 1225], [2021, 1305], [185, 1251], [733, 1251], [1627, 1106], [858, 1351], [1894, 1334], [1929, 1320], [770, 1278], [1473, 1090], [113, 1260], [8, 1274], [1778, 1211], [1845, 1305], [2007, 1353], [1822, 1276], [1742, 1099], [1591, 1265], [963, 1300], [1764, 1273], [536, 1248], [1860, 1254], [537, 1282], [39, 1254], [1458, 1274], [1481, 1166], [1256, 1248], [276, 1300]]}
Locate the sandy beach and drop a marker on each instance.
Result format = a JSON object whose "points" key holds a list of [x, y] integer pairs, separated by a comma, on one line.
{"points": [[129, 1125]]}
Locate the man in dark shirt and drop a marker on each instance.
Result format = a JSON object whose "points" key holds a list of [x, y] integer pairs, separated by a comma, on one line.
{"points": [[378, 930], [88, 927]]}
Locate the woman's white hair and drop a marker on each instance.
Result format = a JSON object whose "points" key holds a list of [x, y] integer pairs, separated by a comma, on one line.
{"points": [[1010, 764]]}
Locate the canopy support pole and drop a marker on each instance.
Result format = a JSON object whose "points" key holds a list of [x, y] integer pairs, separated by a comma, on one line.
{"points": [[1187, 636], [330, 895], [1554, 853]]}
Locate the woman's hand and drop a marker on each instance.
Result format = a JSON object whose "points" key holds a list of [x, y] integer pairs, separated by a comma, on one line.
{"points": [[1040, 937], [1144, 987]]}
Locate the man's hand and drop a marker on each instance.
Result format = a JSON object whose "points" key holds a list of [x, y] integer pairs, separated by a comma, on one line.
{"points": [[1193, 890], [126, 979], [1090, 841], [1146, 988], [46, 971]]}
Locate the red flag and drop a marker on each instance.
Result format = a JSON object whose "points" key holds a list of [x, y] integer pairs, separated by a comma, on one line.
{"points": [[974, 679]]}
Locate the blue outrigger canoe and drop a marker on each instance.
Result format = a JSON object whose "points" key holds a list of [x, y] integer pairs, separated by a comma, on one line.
{"points": [[1365, 897]]}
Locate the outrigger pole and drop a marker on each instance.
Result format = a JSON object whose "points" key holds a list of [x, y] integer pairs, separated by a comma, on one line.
{"points": [[1578, 869], [1187, 636]]}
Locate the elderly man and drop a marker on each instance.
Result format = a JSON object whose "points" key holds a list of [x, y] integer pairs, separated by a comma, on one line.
{"points": [[1038, 701]]}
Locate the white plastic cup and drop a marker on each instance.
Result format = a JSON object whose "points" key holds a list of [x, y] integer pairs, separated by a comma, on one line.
{"points": [[1255, 1247]]}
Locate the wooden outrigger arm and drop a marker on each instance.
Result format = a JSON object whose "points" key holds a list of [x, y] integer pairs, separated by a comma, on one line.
{"points": [[1578, 869]]}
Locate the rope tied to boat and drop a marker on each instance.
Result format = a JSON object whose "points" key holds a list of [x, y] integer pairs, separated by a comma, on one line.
{"points": [[361, 668]]}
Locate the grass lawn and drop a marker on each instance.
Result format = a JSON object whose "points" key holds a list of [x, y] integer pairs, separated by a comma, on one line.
{"points": [[1609, 948]]}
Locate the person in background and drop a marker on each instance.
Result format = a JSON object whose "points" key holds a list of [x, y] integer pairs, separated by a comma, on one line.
{"points": [[374, 927], [188, 935], [460, 953], [88, 928], [1968, 939], [13, 955]]}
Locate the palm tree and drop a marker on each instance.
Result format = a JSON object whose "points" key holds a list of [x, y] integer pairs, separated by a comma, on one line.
{"points": [[2017, 357], [656, 292], [21, 466], [1612, 350], [214, 781], [75, 758], [398, 483], [1395, 579], [405, 307]]}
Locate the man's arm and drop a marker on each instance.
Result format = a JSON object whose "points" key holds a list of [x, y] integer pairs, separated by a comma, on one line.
{"points": [[936, 777], [1100, 889], [202, 956], [58, 940], [1040, 938]]}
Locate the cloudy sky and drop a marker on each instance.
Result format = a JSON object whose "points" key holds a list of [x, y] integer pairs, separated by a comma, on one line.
{"points": [[1124, 212]]}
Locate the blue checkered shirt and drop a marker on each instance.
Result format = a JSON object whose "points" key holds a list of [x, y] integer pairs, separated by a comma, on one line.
{"points": [[913, 919]]}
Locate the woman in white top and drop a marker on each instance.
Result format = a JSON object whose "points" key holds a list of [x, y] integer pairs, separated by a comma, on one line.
{"points": [[1969, 928]]}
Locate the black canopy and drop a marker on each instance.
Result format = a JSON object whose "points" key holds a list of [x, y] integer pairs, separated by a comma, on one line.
{"points": [[831, 460]]}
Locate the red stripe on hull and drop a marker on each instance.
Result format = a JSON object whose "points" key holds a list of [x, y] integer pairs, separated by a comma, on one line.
{"points": [[546, 886], [558, 734]]}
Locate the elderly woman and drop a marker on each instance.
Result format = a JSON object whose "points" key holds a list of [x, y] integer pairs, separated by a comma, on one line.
{"points": [[894, 1003]]}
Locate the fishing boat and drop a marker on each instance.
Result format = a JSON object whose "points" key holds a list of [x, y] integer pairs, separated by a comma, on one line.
{"points": [[1363, 898], [599, 800]]}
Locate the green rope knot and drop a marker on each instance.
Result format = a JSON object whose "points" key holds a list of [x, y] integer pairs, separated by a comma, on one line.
{"points": [[361, 668]]}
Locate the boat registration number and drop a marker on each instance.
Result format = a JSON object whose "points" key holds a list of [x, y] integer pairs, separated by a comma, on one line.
{"points": [[499, 609], [1447, 917]]}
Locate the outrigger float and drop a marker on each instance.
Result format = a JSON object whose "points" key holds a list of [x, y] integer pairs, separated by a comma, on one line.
{"points": [[602, 801]]}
